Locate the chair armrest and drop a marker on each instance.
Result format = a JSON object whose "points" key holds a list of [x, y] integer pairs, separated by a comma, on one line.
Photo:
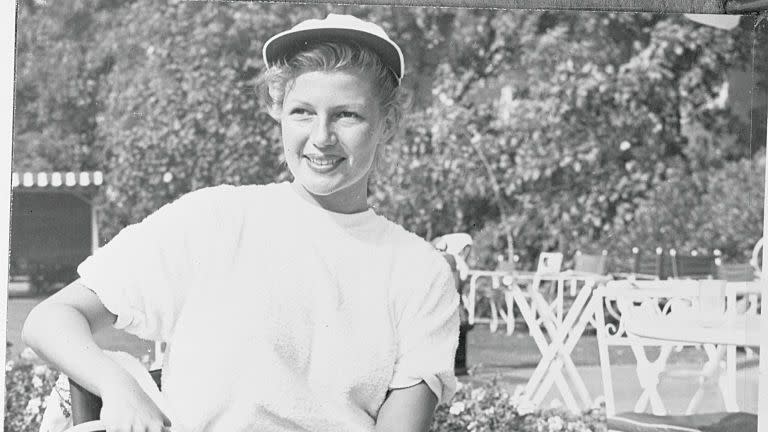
{"points": [[86, 406]]}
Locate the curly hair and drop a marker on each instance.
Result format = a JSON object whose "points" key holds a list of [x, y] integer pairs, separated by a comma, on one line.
{"points": [[333, 55]]}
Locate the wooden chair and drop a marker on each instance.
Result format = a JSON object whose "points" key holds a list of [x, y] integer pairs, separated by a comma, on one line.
{"points": [[549, 262], [591, 263], [735, 272], [741, 272], [691, 266], [459, 245], [648, 265], [86, 406]]}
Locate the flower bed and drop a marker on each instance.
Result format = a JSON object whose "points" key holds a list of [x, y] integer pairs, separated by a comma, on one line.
{"points": [[488, 408], [27, 389], [476, 408]]}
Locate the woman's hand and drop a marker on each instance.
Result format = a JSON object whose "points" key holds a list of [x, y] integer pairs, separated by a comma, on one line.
{"points": [[128, 408]]}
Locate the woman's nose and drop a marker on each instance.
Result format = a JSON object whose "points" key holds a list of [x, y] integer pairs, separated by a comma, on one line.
{"points": [[321, 135]]}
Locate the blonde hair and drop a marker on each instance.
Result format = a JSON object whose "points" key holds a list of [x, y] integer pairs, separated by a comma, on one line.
{"points": [[334, 55]]}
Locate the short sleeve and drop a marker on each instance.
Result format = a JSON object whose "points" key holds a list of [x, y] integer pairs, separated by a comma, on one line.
{"points": [[428, 335], [145, 272]]}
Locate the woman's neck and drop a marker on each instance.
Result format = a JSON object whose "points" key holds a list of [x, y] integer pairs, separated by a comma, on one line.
{"points": [[345, 202]]}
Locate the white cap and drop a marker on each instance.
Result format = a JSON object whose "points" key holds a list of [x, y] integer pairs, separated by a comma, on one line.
{"points": [[337, 27]]}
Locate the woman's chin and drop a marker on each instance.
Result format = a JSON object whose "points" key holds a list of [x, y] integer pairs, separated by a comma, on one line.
{"points": [[321, 187]]}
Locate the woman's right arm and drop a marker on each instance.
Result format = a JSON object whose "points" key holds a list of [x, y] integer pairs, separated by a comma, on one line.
{"points": [[60, 330]]}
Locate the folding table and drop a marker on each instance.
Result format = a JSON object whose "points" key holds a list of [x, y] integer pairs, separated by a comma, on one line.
{"points": [[554, 330]]}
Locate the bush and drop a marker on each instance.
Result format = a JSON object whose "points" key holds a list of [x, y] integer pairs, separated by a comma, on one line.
{"points": [[489, 408], [27, 387], [718, 209]]}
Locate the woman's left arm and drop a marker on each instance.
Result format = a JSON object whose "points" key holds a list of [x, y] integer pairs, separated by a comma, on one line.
{"points": [[407, 409]]}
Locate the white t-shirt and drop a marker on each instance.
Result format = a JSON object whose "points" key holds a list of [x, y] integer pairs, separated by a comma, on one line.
{"points": [[280, 316]]}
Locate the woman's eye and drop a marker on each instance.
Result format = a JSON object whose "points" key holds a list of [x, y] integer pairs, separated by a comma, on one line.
{"points": [[349, 114], [299, 112]]}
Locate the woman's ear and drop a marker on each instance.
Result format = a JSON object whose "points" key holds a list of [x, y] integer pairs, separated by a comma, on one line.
{"points": [[274, 112], [390, 125], [276, 106]]}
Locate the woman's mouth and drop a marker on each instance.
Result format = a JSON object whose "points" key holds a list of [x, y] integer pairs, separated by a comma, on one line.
{"points": [[323, 164]]}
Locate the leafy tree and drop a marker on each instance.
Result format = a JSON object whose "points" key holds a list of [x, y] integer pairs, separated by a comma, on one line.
{"points": [[532, 130], [181, 107], [60, 71], [591, 123]]}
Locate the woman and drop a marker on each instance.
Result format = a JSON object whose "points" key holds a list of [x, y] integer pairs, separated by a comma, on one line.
{"points": [[287, 307]]}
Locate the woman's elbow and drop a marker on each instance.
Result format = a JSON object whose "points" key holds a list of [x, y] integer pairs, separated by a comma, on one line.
{"points": [[40, 322], [32, 323]]}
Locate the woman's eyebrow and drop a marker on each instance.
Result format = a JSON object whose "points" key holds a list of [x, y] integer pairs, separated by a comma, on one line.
{"points": [[297, 102], [351, 105], [342, 106]]}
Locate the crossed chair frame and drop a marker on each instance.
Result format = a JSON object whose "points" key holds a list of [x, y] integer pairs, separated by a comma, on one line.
{"points": [[718, 372]]}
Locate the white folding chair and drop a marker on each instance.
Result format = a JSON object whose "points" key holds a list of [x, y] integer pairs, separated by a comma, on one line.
{"points": [[556, 337], [623, 299]]}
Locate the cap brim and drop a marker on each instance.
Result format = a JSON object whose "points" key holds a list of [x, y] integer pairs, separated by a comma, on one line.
{"points": [[290, 42]]}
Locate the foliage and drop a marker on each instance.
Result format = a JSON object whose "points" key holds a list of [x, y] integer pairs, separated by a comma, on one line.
{"points": [[182, 104], [27, 389], [59, 73], [534, 130], [489, 408], [718, 209], [590, 120], [733, 205]]}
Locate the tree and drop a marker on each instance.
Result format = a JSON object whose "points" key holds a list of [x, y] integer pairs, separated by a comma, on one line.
{"points": [[534, 130], [592, 122], [59, 74]]}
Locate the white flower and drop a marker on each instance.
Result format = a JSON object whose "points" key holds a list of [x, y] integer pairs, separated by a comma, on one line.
{"points": [[477, 394], [40, 369], [625, 145], [37, 382], [577, 426], [555, 424], [9, 366], [456, 408], [525, 407], [28, 354], [34, 405], [62, 382]]}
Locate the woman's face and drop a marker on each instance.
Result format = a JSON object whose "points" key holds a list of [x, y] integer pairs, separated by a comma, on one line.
{"points": [[332, 125]]}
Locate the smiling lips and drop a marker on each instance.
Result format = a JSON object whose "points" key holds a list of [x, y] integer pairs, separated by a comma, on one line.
{"points": [[323, 163]]}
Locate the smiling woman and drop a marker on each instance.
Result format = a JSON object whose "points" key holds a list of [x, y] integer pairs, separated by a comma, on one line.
{"points": [[318, 313], [338, 102], [332, 127]]}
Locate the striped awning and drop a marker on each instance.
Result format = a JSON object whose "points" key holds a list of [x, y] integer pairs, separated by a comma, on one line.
{"points": [[56, 179]]}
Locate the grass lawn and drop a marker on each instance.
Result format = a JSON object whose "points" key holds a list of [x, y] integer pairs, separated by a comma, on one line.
{"points": [[498, 352]]}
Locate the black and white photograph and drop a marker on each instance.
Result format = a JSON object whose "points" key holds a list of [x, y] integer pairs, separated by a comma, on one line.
{"points": [[317, 217]]}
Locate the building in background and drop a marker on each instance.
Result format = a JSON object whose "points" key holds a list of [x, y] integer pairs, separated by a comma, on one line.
{"points": [[53, 228]]}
